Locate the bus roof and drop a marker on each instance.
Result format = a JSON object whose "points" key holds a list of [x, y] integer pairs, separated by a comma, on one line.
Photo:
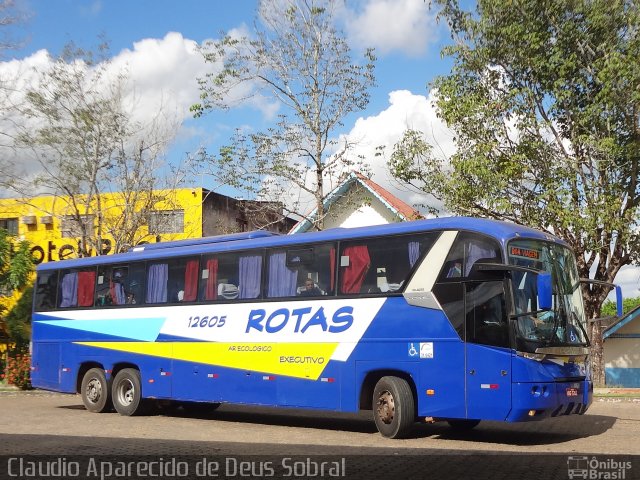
{"points": [[503, 231], [203, 240]]}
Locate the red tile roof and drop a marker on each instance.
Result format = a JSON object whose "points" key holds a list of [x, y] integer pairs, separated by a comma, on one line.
{"points": [[404, 209]]}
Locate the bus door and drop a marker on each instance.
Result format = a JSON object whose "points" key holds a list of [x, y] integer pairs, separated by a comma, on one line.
{"points": [[487, 352], [46, 366]]}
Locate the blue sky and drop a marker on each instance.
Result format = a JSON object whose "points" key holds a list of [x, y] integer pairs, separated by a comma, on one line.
{"points": [[52, 24]]}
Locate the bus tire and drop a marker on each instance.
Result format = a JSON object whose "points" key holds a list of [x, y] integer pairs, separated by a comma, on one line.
{"points": [[126, 393], [96, 391], [394, 408], [461, 424]]}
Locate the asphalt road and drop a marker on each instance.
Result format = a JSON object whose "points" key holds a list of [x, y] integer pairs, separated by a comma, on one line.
{"points": [[260, 439]]}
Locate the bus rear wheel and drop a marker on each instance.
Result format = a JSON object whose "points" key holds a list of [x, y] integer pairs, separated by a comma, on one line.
{"points": [[393, 407], [126, 392], [95, 391]]}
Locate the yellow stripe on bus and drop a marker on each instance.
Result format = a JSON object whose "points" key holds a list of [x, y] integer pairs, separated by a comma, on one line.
{"points": [[300, 360]]}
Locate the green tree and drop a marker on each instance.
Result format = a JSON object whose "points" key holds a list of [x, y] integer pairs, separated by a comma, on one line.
{"points": [[299, 61], [18, 320], [16, 263], [628, 304], [544, 102], [16, 267]]}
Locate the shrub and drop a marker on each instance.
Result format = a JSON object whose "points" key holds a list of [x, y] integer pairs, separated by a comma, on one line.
{"points": [[18, 371], [628, 304]]}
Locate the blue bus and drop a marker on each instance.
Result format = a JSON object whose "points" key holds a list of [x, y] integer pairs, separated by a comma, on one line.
{"points": [[452, 319]]}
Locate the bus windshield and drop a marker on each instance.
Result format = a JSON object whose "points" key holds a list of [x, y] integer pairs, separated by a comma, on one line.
{"points": [[564, 324]]}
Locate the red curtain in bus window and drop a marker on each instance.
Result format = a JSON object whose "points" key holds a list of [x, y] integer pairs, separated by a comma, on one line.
{"points": [[211, 290], [353, 274], [191, 281], [86, 285]]}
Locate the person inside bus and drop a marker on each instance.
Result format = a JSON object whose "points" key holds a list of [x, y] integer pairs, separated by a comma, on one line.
{"points": [[455, 270], [310, 289]]}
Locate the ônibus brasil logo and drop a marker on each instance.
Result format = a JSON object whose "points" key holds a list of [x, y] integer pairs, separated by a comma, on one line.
{"points": [[593, 468]]}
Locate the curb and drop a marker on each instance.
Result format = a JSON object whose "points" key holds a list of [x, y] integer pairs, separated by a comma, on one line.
{"points": [[613, 394], [616, 391]]}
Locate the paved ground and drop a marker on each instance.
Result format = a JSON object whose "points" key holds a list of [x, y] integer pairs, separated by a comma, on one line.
{"points": [[51, 424]]}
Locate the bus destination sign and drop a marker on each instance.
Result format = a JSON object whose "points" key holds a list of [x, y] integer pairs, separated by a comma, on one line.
{"points": [[529, 253]]}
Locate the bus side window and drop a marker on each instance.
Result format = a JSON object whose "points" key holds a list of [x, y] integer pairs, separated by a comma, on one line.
{"points": [[46, 291], [134, 288], [381, 266], [111, 285], [301, 271], [486, 317], [227, 276], [462, 300], [466, 251], [77, 287], [231, 276], [183, 280], [172, 281]]}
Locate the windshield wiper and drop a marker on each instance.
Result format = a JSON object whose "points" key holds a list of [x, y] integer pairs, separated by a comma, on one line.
{"points": [[526, 314]]}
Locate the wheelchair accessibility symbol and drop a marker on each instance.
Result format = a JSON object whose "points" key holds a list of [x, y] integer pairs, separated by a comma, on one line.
{"points": [[422, 349]]}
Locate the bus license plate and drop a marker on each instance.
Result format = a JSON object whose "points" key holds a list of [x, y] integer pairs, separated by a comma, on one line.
{"points": [[572, 392]]}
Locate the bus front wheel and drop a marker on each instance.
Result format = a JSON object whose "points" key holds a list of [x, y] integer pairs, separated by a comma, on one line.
{"points": [[95, 391], [393, 407], [127, 393]]}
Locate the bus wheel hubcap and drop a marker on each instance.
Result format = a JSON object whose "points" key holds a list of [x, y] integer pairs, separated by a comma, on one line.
{"points": [[127, 392], [94, 390], [386, 407]]}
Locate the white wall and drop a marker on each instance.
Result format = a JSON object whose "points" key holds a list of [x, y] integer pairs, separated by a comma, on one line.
{"points": [[359, 208], [623, 352]]}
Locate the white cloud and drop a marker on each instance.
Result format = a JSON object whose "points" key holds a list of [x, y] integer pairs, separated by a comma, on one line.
{"points": [[161, 86], [406, 110], [629, 280], [162, 72], [407, 26]]}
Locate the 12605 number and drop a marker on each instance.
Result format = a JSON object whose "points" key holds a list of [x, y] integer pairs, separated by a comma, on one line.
{"points": [[207, 321]]}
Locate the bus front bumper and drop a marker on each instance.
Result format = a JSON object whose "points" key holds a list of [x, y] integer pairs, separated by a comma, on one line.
{"points": [[536, 401]]}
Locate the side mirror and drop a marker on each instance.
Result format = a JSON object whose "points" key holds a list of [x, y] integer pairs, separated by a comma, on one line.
{"points": [[619, 310], [545, 291], [619, 305]]}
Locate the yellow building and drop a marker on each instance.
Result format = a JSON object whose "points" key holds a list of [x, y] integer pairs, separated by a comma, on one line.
{"points": [[54, 225]]}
